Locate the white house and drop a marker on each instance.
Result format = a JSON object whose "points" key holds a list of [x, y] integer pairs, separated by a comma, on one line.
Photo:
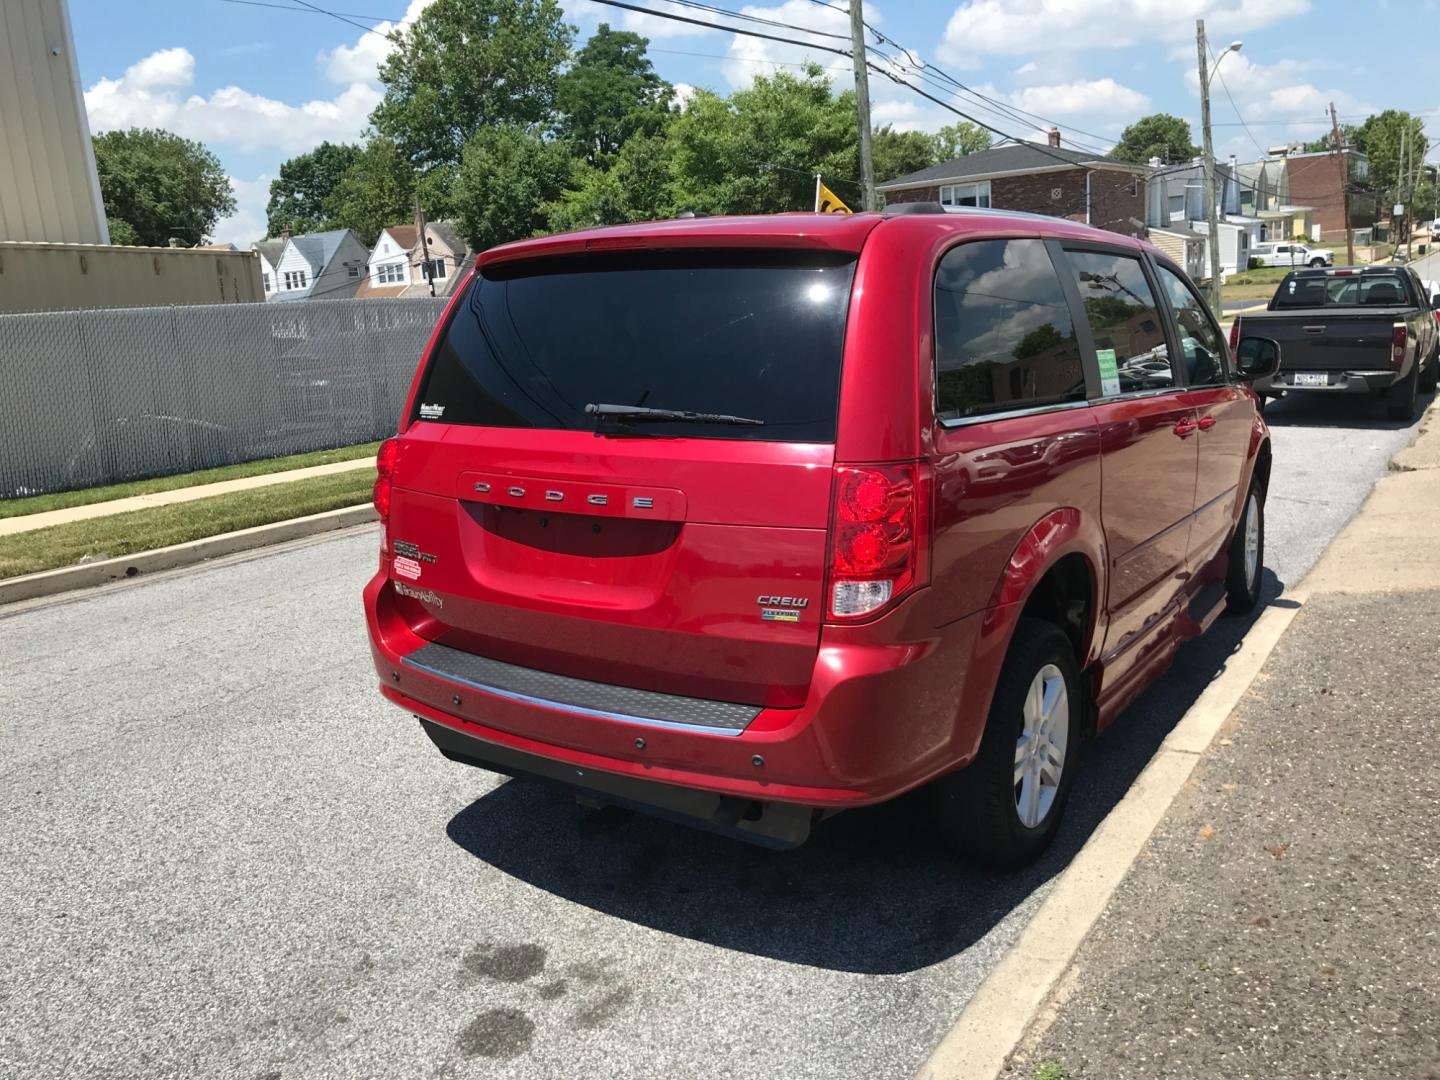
{"points": [[320, 266], [399, 267], [390, 259], [269, 252]]}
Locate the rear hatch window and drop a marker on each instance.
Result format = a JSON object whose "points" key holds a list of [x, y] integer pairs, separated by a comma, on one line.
{"points": [[1341, 290], [751, 334]]}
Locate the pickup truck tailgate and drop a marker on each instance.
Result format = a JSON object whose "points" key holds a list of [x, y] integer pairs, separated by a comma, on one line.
{"points": [[1329, 339]]}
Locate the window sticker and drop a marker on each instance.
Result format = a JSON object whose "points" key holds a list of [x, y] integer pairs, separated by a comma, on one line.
{"points": [[1109, 373]]}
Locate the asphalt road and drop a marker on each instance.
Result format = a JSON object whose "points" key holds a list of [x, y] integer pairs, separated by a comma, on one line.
{"points": [[222, 855]]}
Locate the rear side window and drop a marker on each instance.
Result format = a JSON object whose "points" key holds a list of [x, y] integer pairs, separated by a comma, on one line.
{"points": [[752, 334], [1004, 337], [1125, 320]]}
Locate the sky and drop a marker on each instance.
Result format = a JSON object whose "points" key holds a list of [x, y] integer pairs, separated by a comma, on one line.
{"points": [[259, 81]]}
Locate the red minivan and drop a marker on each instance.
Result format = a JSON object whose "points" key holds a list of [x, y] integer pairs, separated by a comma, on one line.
{"points": [[748, 520]]}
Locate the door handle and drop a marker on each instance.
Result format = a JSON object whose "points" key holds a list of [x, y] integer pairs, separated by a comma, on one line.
{"points": [[1186, 428], [1206, 423]]}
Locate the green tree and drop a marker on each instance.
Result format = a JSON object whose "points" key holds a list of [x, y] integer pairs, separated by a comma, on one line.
{"points": [[1159, 135], [958, 139], [1380, 138], [508, 176], [1327, 142], [610, 93], [758, 151], [158, 185], [378, 189], [298, 194], [897, 153], [635, 188], [468, 64]]}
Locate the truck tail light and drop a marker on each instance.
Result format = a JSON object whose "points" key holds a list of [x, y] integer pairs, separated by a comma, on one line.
{"points": [[1235, 335], [384, 468], [879, 536], [1398, 337]]}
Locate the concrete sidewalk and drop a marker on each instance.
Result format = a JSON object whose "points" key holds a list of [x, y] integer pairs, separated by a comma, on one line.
{"points": [[1281, 920], [28, 522]]}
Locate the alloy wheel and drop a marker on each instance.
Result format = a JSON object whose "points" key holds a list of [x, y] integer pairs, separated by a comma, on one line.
{"points": [[1040, 750]]}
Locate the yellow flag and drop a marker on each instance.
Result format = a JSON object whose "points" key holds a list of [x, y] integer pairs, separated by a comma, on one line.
{"points": [[827, 202]]}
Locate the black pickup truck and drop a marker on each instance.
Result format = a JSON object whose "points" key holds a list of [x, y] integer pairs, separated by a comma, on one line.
{"points": [[1350, 330]]}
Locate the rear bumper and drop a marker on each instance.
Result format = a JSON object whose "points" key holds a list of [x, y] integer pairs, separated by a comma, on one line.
{"points": [[886, 711], [1341, 382]]}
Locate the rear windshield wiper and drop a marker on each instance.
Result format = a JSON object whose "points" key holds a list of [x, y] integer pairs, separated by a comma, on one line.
{"points": [[640, 412]]}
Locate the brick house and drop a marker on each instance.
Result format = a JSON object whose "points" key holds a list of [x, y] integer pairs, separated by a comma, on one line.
{"points": [[1037, 178], [1318, 180]]}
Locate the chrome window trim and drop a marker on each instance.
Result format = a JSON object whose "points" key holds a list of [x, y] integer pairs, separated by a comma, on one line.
{"points": [[1010, 414]]}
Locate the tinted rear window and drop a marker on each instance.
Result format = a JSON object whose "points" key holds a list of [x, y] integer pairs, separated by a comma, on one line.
{"points": [[754, 334], [1341, 290]]}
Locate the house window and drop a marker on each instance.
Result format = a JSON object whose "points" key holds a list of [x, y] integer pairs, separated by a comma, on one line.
{"points": [[435, 269], [354, 271], [296, 279], [266, 279], [966, 194], [390, 274]]}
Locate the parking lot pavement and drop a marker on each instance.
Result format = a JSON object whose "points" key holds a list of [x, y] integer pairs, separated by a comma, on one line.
{"points": [[222, 855]]}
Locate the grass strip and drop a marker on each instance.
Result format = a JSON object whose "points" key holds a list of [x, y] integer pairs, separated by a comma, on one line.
{"points": [[35, 504], [161, 526]]}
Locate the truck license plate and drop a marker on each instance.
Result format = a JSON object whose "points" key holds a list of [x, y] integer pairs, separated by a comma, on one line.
{"points": [[1311, 378]]}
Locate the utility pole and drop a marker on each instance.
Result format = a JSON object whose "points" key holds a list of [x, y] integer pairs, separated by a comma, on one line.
{"points": [[862, 102], [420, 224], [1400, 197], [1212, 217], [1344, 186]]}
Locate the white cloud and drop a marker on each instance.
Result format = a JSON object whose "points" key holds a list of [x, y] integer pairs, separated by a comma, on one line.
{"points": [[1097, 97], [162, 70], [1281, 89], [834, 33], [360, 62], [152, 93], [1033, 26], [682, 93], [247, 224], [652, 26]]}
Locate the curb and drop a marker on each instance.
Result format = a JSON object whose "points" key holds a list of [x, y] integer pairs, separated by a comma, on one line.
{"points": [[88, 575], [1029, 979]]}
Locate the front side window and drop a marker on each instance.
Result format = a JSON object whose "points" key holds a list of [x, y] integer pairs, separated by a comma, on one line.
{"points": [[966, 194], [1125, 321], [1199, 338], [1004, 337]]}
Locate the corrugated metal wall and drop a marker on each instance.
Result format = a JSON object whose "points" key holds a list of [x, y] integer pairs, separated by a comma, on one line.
{"points": [[98, 397], [49, 189]]}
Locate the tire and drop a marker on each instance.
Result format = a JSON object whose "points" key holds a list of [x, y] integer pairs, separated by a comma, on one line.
{"points": [[1246, 563], [1400, 398], [978, 809], [1316, 263]]}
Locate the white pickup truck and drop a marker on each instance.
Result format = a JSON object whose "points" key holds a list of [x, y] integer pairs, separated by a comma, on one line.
{"points": [[1291, 254]]}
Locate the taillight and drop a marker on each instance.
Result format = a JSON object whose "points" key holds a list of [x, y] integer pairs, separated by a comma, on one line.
{"points": [[1398, 337], [384, 468], [878, 538], [1235, 335]]}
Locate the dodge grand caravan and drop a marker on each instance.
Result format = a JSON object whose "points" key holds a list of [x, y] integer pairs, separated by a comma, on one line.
{"points": [[745, 521]]}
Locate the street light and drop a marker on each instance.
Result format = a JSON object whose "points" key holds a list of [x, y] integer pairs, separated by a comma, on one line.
{"points": [[1211, 211]]}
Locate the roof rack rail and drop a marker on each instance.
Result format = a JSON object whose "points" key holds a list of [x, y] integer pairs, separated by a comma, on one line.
{"points": [[900, 209]]}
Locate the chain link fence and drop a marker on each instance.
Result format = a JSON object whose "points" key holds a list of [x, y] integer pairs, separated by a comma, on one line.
{"points": [[99, 397]]}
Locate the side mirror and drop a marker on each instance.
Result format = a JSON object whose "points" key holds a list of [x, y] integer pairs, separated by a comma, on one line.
{"points": [[1257, 357]]}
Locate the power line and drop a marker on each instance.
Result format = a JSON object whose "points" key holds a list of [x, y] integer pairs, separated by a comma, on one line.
{"points": [[1230, 98], [308, 11], [345, 19]]}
